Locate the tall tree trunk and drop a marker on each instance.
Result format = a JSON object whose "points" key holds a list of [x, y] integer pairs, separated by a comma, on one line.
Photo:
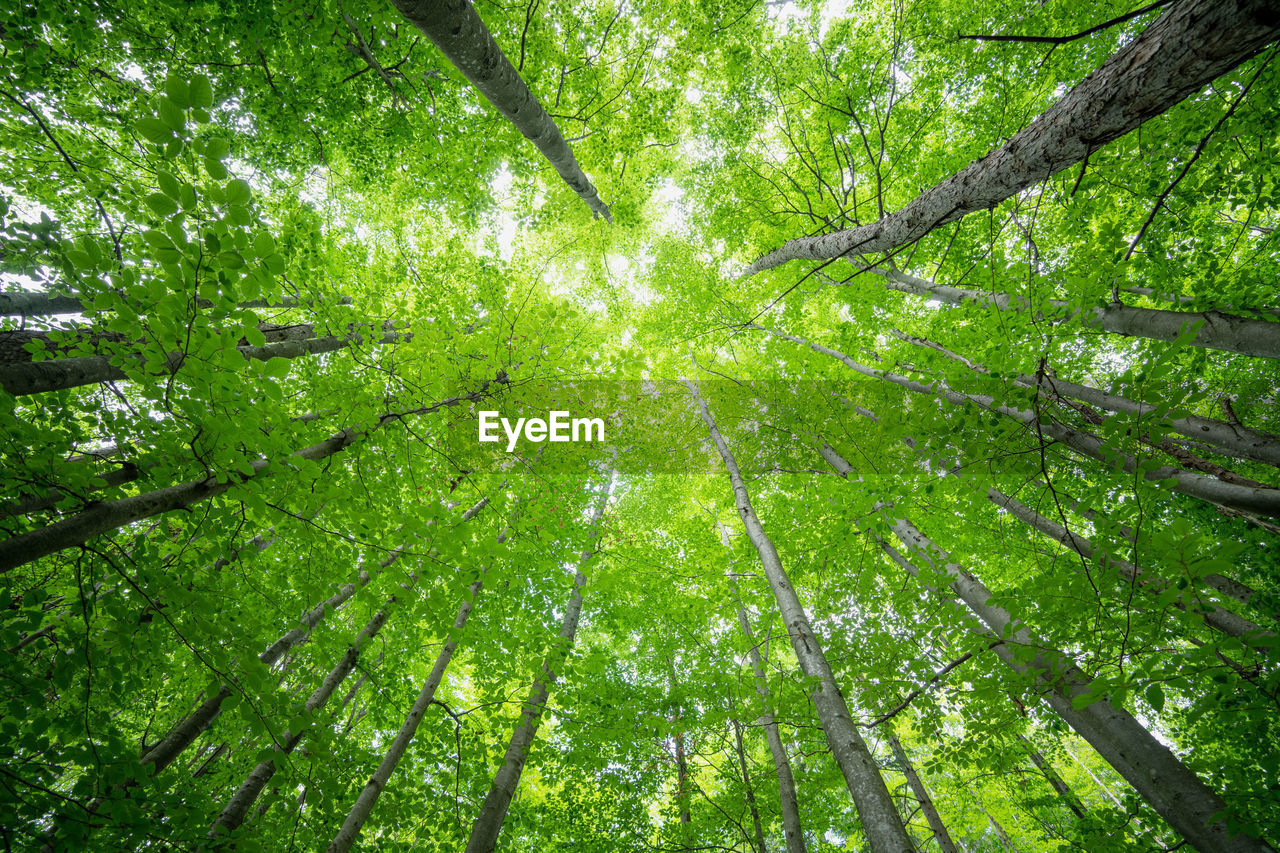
{"points": [[1001, 836], [880, 821], [233, 814], [41, 303], [781, 764], [682, 765], [1229, 587], [749, 790], [1208, 489], [1218, 618], [454, 27], [939, 829], [1230, 439], [13, 342], [105, 516], [1219, 331], [1193, 42], [368, 796], [127, 472], [484, 833], [1059, 784], [1176, 793], [62, 373]]}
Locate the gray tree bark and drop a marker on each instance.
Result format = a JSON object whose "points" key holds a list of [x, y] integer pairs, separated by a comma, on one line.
{"points": [[939, 829], [1209, 489], [1177, 794], [1230, 439], [781, 763], [880, 821], [105, 516], [1193, 42], [61, 373], [1218, 618], [484, 833], [749, 790], [1059, 784], [454, 27], [1226, 332], [368, 796], [40, 303], [242, 800]]}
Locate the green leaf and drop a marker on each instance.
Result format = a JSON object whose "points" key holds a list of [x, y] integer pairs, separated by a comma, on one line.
{"points": [[171, 115], [154, 130], [238, 192], [1155, 697], [201, 92], [216, 148], [162, 204], [214, 167], [277, 368], [176, 88]]}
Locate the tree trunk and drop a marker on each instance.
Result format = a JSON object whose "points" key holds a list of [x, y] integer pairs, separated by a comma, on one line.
{"points": [[1176, 793], [1059, 784], [1193, 42], [38, 303], [454, 27], [1214, 616], [241, 801], [682, 765], [62, 373], [127, 472], [939, 829], [1234, 440], [782, 765], [746, 782], [13, 342], [105, 516], [484, 834], [880, 821], [1227, 332], [368, 796], [1208, 489], [1229, 587]]}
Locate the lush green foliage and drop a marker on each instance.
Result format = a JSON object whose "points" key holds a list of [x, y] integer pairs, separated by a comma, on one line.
{"points": [[178, 166]]}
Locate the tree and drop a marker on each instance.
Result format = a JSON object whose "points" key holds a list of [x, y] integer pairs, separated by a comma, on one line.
{"points": [[264, 269]]}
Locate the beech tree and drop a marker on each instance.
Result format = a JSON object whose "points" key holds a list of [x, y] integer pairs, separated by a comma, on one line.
{"points": [[965, 539]]}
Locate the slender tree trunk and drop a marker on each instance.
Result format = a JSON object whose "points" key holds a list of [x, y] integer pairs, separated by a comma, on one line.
{"points": [[484, 834], [454, 27], [1208, 489], [682, 765], [880, 821], [1227, 332], [1229, 587], [368, 796], [233, 814], [62, 373], [1003, 837], [105, 516], [1234, 440], [1059, 784], [13, 342], [1193, 42], [127, 472], [39, 303], [939, 829], [746, 782], [1218, 618], [1176, 793], [782, 765]]}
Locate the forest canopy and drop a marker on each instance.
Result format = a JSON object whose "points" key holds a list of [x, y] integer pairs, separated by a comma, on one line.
{"points": [[933, 346]]}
